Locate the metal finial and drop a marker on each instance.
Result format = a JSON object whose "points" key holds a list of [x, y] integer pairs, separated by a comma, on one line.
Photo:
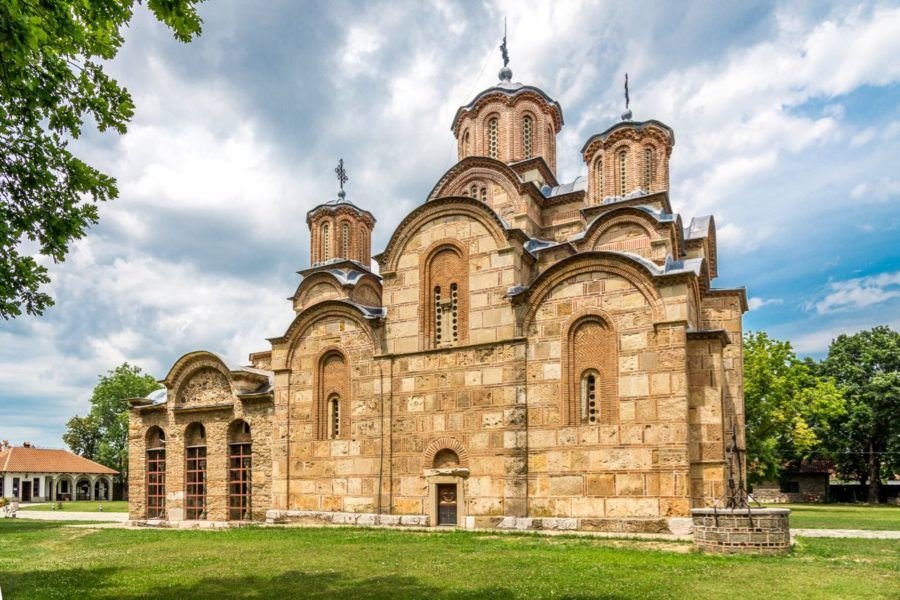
{"points": [[505, 72]]}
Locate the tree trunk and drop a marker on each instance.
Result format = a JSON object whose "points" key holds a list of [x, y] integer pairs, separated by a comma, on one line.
{"points": [[874, 475]]}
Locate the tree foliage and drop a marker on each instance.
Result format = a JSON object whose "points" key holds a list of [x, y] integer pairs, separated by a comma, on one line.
{"points": [[103, 434], [51, 81], [867, 366], [791, 411]]}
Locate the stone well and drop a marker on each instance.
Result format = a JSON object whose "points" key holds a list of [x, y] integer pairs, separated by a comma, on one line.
{"points": [[742, 530]]}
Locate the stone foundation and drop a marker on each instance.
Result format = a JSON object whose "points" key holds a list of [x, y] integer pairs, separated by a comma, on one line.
{"points": [[742, 531], [671, 526]]}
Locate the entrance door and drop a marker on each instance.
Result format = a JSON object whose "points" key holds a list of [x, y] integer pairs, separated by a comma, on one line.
{"points": [[26, 491], [446, 498]]}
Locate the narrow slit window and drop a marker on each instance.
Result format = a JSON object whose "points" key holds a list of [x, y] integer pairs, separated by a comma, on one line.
{"points": [[589, 401], [493, 144], [598, 169], [345, 241], [326, 242], [437, 315], [648, 169], [622, 173], [454, 311], [473, 192], [527, 136], [334, 417]]}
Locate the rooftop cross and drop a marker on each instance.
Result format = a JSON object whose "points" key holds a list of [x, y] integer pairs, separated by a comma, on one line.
{"points": [[626, 116], [505, 72], [341, 173]]}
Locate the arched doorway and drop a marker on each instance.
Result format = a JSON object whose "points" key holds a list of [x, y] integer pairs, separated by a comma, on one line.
{"points": [[83, 489], [102, 490], [446, 469]]}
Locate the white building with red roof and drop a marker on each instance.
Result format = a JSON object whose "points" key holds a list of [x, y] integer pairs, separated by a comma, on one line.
{"points": [[30, 474]]}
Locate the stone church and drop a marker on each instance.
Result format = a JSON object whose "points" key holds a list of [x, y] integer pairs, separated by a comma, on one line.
{"points": [[527, 354]]}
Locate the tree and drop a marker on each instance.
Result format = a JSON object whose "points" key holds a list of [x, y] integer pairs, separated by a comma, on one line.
{"points": [[109, 417], [82, 436], [867, 366], [51, 80], [790, 409]]}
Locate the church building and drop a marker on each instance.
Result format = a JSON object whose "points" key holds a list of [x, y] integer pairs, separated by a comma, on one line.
{"points": [[528, 354]]}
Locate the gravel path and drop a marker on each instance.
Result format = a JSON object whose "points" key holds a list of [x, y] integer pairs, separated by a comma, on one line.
{"points": [[50, 515], [846, 533]]}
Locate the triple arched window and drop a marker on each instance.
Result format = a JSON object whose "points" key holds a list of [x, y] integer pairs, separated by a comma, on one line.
{"points": [[493, 135], [527, 136]]}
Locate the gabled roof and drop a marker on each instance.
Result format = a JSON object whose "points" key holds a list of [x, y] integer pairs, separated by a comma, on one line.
{"points": [[41, 460]]}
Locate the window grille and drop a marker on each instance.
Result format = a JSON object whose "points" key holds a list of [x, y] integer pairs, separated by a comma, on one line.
{"points": [[589, 399], [334, 414], [527, 135], [437, 315], [648, 169], [622, 173], [345, 241], [454, 311], [195, 483], [326, 242], [240, 475], [493, 145]]}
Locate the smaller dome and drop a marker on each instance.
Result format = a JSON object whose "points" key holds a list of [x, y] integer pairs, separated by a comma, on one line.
{"points": [[157, 396]]}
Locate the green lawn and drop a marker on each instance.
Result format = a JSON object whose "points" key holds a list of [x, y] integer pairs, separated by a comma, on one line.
{"points": [[843, 516], [117, 506], [50, 560]]}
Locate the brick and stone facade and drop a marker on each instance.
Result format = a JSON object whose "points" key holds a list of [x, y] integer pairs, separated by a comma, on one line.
{"points": [[528, 354]]}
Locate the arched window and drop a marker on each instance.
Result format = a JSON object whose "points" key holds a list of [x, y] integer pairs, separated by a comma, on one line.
{"points": [[445, 276], [590, 372], [240, 471], [493, 134], [333, 395], [527, 136], [622, 165], [598, 178], [195, 472], [590, 407], [551, 146], [648, 168], [326, 241], [334, 417], [362, 250], [345, 241], [467, 144], [156, 473]]}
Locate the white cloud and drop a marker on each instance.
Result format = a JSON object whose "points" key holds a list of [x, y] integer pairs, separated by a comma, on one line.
{"points": [[858, 293], [883, 189], [757, 303]]}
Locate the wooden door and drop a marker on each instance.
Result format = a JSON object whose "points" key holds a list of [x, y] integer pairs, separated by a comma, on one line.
{"points": [[446, 499], [26, 491]]}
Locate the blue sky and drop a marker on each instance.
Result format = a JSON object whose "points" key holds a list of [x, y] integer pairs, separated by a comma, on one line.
{"points": [[787, 120]]}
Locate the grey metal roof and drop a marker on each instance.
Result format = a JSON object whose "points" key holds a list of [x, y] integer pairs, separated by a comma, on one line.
{"points": [[579, 185], [636, 193], [698, 229], [660, 217], [628, 125], [157, 396], [510, 89]]}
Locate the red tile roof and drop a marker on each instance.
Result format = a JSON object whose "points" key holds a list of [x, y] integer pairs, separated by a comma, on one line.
{"points": [[40, 460]]}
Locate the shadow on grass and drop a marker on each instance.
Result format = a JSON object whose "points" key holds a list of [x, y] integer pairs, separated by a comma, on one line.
{"points": [[108, 583]]}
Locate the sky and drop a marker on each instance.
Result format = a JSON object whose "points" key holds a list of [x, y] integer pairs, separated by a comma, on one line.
{"points": [[787, 124]]}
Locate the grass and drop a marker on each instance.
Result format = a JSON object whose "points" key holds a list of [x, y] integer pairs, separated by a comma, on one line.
{"points": [[843, 516], [49, 560], [117, 506]]}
